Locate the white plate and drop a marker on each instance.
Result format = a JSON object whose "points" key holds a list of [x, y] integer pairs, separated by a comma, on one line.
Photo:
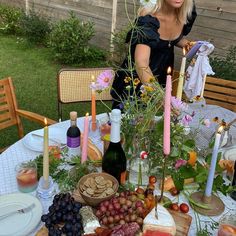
{"points": [[230, 154], [34, 139], [19, 224]]}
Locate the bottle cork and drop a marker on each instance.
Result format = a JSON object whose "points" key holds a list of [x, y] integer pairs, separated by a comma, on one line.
{"points": [[73, 115]]}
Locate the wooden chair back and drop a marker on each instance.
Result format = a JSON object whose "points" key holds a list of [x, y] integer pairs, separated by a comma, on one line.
{"points": [[73, 85], [10, 113], [8, 107], [220, 92], [217, 91]]}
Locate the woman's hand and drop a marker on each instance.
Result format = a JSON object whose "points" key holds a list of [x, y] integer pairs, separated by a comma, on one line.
{"points": [[189, 45]]}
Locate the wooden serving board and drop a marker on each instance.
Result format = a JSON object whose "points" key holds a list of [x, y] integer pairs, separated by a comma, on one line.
{"points": [[182, 221]]}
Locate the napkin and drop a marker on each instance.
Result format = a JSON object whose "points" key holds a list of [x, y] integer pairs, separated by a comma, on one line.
{"points": [[34, 139], [198, 70]]}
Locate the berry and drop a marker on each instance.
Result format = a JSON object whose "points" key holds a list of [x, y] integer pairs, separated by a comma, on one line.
{"points": [[184, 208]]}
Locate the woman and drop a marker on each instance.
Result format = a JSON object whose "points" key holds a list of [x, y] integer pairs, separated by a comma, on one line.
{"points": [[157, 30]]}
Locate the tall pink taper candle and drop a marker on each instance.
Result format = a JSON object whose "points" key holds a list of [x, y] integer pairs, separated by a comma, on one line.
{"points": [[167, 109], [85, 139], [94, 125]]}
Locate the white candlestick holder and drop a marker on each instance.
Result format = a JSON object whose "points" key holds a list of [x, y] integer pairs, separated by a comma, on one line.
{"points": [[45, 189]]}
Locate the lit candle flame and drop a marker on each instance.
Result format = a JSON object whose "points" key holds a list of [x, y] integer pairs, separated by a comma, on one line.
{"points": [[184, 51], [87, 114], [45, 121], [169, 70], [93, 78]]}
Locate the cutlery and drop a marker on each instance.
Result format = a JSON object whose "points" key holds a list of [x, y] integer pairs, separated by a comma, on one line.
{"points": [[52, 139], [22, 210]]}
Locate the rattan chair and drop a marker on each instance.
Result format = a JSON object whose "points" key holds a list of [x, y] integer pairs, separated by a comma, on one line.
{"points": [[9, 112], [73, 85]]}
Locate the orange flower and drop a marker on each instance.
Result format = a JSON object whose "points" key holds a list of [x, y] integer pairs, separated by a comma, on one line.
{"points": [[192, 158]]}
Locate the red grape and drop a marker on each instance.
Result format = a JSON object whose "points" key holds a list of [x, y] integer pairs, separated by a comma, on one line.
{"points": [[110, 219], [113, 212], [128, 203], [140, 210], [122, 200], [139, 204], [127, 219], [110, 207], [106, 203], [116, 218], [103, 209], [139, 220], [133, 218], [117, 206], [105, 220], [98, 213], [122, 222]]}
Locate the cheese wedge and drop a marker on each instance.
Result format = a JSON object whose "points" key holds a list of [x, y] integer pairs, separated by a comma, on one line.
{"points": [[164, 224]]}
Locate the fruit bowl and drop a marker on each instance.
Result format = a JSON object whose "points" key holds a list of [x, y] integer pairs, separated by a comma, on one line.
{"points": [[97, 187]]}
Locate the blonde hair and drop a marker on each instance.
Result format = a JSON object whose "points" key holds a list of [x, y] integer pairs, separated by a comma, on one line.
{"points": [[182, 13]]}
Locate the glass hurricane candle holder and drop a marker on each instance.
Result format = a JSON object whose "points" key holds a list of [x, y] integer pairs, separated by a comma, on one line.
{"points": [[227, 224]]}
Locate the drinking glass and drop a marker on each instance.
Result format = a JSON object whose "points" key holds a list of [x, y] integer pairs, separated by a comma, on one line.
{"points": [[227, 224], [26, 176]]}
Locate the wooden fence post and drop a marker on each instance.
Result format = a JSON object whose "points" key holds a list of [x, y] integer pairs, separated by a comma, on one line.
{"points": [[113, 24]]}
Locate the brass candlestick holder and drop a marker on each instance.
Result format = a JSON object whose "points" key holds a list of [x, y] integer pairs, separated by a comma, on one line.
{"points": [[211, 206]]}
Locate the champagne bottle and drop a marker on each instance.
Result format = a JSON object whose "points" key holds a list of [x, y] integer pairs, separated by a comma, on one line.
{"points": [[114, 159], [233, 194], [73, 136]]}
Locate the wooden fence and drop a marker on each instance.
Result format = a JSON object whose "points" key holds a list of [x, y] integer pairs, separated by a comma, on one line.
{"points": [[216, 21]]}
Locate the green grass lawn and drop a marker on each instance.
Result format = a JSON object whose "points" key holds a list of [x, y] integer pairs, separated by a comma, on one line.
{"points": [[34, 76]]}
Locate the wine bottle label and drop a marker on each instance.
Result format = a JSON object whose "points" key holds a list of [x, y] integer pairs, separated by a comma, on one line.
{"points": [[73, 142], [123, 177]]}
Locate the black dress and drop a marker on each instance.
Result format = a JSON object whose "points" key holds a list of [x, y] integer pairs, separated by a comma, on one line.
{"points": [[162, 52]]}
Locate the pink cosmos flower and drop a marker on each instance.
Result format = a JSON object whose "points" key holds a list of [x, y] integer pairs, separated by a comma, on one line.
{"points": [[186, 120], [180, 163], [104, 79], [207, 123], [178, 105]]}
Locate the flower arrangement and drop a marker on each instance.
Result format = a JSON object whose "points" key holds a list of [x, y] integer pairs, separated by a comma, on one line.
{"points": [[142, 130]]}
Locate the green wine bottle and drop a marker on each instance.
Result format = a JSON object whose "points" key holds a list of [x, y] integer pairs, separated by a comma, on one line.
{"points": [[114, 159]]}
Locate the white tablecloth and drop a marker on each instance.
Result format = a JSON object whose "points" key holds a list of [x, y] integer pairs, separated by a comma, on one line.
{"points": [[18, 152]]}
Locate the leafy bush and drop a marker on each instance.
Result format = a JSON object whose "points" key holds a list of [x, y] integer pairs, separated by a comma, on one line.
{"points": [[120, 47], [10, 18], [35, 27], [225, 68], [69, 41]]}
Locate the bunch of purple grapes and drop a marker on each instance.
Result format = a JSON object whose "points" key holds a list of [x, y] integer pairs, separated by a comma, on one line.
{"points": [[63, 216], [125, 208]]}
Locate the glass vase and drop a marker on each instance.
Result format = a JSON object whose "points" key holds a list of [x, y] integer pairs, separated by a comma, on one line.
{"points": [[139, 163]]}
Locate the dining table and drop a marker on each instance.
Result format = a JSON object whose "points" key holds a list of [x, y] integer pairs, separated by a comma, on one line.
{"points": [[30, 146]]}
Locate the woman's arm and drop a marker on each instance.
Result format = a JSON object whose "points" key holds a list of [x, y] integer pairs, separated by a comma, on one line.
{"points": [[142, 58], [182, 43]]}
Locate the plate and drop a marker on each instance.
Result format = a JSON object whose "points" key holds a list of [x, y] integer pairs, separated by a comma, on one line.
{"points": [[34, 139], [194, 49], [230, 154], [19, 224]]}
